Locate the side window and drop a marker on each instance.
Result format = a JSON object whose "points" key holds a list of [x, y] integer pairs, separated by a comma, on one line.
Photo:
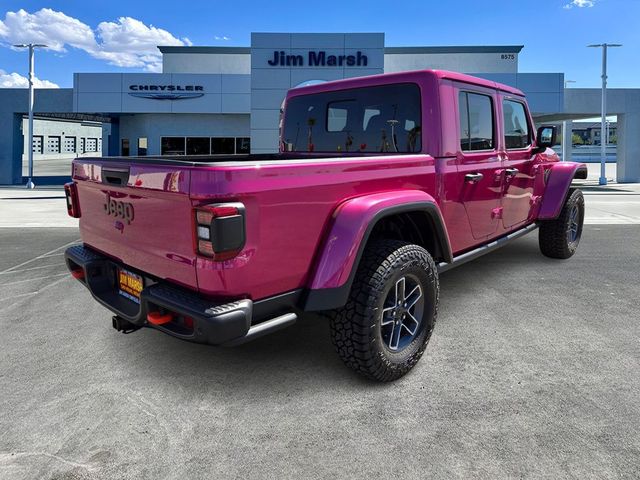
{"points": [[476, 122], [463, 111], [516, 127]]}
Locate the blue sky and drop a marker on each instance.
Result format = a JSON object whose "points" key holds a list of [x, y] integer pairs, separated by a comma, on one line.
{"points": [[115, 36]]}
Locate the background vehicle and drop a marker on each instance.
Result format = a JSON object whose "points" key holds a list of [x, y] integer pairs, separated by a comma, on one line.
{"points": [[382, 183]]}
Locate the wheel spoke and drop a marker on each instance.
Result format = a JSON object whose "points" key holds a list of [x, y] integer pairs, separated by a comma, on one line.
{"points": [[386, 312], [416, 323], [411, 303], [409, 330], [574, 215], [400, 285], [395, 333]]}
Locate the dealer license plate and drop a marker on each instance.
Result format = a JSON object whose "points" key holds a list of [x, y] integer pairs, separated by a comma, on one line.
{"points": [[129, 285]]}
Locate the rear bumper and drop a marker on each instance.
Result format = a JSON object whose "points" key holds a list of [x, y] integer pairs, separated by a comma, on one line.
{"points": [[211, 323]]}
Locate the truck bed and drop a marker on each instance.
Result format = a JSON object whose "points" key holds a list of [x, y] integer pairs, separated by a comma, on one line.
{"points": [[289, 201], [210, 160]]}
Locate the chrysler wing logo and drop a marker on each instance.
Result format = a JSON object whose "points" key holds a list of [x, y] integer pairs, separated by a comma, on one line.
{"points": [[166, 92], [167, 96]]}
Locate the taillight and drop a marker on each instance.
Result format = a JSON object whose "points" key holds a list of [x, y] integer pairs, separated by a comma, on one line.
{"points": [[73, 204], [219, 230]]}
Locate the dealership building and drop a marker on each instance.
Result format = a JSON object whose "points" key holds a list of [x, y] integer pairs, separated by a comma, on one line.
{"points": [[226, 100]]}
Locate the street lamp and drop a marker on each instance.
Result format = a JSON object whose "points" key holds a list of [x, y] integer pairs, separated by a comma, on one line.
{"points": [[603, 146], [31, 47], [565, 140]]}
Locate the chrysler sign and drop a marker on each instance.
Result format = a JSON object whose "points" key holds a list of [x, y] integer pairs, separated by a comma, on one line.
{"points": [[166, 92]]}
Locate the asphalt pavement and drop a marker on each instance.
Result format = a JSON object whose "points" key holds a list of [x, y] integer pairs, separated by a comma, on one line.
{"points": [[533, 371]]}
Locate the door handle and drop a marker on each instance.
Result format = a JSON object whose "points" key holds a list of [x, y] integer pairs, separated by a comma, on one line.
{"points": [[473, 177], [510, 172]]}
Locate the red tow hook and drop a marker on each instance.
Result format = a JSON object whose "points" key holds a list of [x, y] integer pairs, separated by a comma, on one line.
{"points": [[78, 274], [156, 318]]}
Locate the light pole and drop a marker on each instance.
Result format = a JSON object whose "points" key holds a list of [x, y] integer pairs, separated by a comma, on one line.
{"points": [[603, 146], [566, 141], [31, 47]]}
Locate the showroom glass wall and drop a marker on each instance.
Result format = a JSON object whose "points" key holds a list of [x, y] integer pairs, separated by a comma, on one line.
{"points": [[205, 145]]}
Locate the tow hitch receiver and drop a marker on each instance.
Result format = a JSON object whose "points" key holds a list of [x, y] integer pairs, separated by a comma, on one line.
{"points": [[121, 325]]}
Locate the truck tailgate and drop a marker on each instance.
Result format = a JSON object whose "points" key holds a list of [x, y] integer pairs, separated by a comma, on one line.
{"points": [[140, 215]]}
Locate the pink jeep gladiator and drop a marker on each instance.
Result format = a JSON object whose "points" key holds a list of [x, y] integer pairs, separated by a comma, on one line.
{"points": [[381, 184]]}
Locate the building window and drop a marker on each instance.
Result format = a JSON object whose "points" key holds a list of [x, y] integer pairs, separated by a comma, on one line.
{"points": [[243, 145], [476, 122], [125, 147], [198, 146], [223, 145], [92, 144], [204, 145], [172, 146], [38, 140], [142, 146], [369, 113], [69, 145], [53, 144], [337, 115], [516, 127]]}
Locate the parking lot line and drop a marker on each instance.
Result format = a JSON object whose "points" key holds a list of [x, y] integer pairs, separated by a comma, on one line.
{"points": [[12, 297], [32, 279], [10, 269], [32, 268]]}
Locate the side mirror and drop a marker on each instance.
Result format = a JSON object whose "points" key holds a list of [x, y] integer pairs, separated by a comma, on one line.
{"points": [[546, 138]]}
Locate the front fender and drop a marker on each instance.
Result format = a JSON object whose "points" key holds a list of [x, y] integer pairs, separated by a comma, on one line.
{"points": [[559, 179], [352, 223]]}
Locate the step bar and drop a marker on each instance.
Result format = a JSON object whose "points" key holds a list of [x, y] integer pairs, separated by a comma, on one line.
{"points": [[488, 248]]}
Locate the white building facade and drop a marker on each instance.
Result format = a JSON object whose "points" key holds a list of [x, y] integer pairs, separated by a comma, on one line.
{"points": [[232, 95], [227, 100]]}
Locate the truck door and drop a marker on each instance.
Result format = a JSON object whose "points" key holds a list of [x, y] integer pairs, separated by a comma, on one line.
{"points": [[479, 161], [519, 162]]}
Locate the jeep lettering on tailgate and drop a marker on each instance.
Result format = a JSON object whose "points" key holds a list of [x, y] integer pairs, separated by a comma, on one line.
{"points": [[118, 209]]}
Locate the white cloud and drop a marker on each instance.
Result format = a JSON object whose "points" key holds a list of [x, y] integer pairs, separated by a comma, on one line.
{"points": [[130, 43], [46, 26], [15, 80], [222, 37], [127, 42], [580, 4]]}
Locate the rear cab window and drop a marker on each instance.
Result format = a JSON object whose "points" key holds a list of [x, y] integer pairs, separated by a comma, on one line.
{"points": [[517, 134], [378, 119]]}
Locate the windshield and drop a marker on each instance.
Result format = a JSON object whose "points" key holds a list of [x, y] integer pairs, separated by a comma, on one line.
{"points": [[381, 119]]}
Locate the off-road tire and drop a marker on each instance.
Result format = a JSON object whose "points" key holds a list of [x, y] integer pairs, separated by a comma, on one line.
{"points": [[356, 329], [554, 234]]}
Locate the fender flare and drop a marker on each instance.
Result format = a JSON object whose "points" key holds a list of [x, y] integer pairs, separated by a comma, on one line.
{"points": [[348, 232], [559, 179]]}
